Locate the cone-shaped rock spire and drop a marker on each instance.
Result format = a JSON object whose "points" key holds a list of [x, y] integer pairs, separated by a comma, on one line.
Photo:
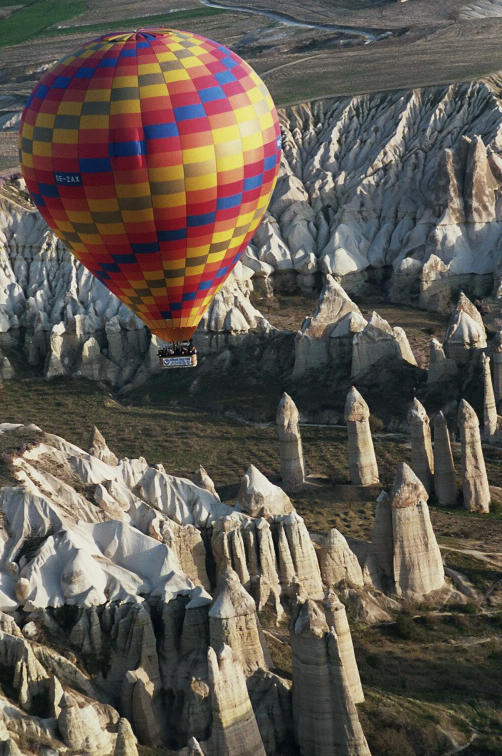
{"points": [[362, 461], [290, 444], [466, 333], [475, 481], [233, 621], [445, 486], [417, 562], [125, 745], [489, 406], [202, 479], [259, 497], [99, 448], [324, 713], [336, 617], [234, 730], [422, 459]]}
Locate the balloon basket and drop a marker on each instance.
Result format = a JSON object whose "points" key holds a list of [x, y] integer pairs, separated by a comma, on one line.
{"points": [[178, 356]]}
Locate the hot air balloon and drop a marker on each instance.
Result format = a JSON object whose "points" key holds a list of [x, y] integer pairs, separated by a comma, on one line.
{"points": [[153, 155]]}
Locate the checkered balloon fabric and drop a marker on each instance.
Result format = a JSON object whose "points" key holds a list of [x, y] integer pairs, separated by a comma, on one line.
{"points": [[153, 156]]}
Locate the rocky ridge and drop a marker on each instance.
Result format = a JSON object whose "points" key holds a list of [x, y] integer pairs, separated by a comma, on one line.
{"points": [[154, 586], [398, 190]]}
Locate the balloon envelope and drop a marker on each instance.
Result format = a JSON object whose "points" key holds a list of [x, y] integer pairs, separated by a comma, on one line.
{"points": [[153, 156]]}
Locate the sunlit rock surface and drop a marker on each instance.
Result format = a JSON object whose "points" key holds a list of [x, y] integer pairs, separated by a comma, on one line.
{"points": [[404, 556], [112, 560], [399, 191]]}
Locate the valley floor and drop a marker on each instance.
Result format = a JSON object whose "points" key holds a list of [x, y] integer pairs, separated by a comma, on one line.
{"points": [[432, 676]]}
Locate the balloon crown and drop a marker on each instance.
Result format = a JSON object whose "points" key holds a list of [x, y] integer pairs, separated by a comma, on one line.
{"points": [[136, 35]]}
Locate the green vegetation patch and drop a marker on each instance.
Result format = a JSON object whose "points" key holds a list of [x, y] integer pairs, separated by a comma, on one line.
{"points": [[461, 653], [179, 437], [12, 4], [150, 21], [38, 19], [32, 19]]}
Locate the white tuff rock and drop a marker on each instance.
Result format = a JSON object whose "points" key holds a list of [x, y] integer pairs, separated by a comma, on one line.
{"points": [[417, 563], [336, 617], [440, 366], [298, 565], [475, 480], [81, 730], [203, 480], [378, 339], [99, 448], [445, 486], [325, 337], [290, 444], [234, 729], [325, 717], [258, 497], [233, 621], [404, 557], [466, 333], [422, 459], [490, 419], [125, 745], [337, 561], [362, 461]]}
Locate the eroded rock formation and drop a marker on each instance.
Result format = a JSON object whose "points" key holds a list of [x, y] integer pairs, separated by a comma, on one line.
{"points": [[417, 562], [376, 340], [259, 497], [337, 562], [99, 448], [465, 335], [234, 728], [125, 744], [290, 443], [336, 618], [362, 461], [153, 585], [325, 716], [233, 622], [422, 460], [404, 557], [325, 338], [490, 418], [203, 480], [415, 204], [475, 481], [440, 366], [445, 486]]}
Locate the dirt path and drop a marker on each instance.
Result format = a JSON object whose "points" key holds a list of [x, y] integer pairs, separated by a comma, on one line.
{"points": [[494, 560]]}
